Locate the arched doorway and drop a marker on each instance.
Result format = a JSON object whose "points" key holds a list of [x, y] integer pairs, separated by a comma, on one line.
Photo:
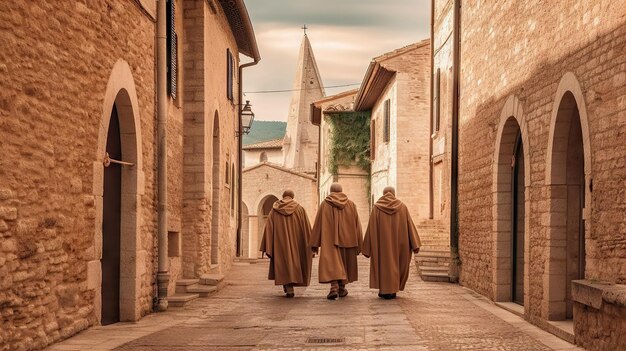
{"points": [[114, 273], [265, 206], [511, 208], [566, 177], [245, 232], [517, 221], [215, 196], [111, 225]]}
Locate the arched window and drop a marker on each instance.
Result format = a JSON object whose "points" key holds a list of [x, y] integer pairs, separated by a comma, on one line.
{"points": [[263, 157]]}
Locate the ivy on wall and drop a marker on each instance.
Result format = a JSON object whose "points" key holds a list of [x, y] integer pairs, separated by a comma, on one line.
{"points": [[349, 141]]}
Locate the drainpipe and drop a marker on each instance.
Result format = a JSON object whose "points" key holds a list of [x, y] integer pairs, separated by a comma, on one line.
{"points": [[454, 169], [240, 152], [163, 276], [432, 127]]}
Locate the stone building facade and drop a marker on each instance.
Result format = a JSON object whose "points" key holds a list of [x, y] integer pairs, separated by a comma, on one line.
{"points": [[264, 182], [264, 151], [353, 179], [77, 235], [396, 91], [541, 172]]}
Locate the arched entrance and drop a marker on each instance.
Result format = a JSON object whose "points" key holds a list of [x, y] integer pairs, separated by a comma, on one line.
{"points": [[215, 202], [265, 206], [510, 184], [114, 272], [566, 179], [245, 232], [111, 221]]}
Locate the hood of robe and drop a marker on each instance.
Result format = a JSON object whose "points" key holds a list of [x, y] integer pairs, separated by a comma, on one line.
{"points": [[388, 203], [286, 206], [338, 200]]}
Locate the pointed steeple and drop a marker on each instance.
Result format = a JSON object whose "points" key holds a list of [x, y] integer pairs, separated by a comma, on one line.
{"points": [[301, 137]]}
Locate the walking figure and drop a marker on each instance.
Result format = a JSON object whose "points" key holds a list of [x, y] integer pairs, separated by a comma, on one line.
{"points": [[337, 231], [286, 242], [390, 240]]}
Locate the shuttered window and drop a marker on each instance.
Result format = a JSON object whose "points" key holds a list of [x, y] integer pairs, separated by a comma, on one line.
{"points": [[387, 121], [172, 49], [436, 100], [373, 139], [230, 73]]}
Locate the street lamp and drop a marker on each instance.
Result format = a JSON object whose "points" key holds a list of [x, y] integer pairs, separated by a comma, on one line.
{"points": [[247, 117]]}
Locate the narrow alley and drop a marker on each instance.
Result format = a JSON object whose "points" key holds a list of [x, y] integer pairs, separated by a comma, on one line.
{"points": [[250, 313]]}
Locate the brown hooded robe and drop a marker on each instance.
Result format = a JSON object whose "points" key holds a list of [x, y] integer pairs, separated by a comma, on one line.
{"points": [[337, 231], [286, 242], [389, 241]]}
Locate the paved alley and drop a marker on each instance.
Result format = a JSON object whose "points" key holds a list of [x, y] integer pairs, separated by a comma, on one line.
{"points": [[251, 314]]}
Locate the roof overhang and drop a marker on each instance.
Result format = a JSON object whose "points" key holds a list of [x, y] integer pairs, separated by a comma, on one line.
{"points": [[316, 107], [374, 83], [241, 26]]}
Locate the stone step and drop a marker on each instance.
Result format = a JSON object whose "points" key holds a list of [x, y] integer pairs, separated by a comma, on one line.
{"points": [[185, 282], [212, 279], [435, 277], [201, 290], [180, 300], [431, 254], [433, 269], [427, 264], [435, 248]]}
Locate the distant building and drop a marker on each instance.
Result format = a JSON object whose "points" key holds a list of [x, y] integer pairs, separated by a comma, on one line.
{"points": [[354, 180], [267, 174]]}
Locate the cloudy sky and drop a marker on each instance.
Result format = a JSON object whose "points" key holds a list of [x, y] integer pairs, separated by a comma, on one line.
{"points": [[345, 36]]}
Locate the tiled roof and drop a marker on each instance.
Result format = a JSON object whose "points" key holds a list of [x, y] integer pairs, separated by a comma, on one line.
{"points": [[270, 144]]}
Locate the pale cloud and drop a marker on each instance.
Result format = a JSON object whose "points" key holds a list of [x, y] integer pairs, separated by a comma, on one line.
{"points": [[345, 36]]}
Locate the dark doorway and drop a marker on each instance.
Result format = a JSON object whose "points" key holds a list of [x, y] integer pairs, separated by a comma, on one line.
{"points": [[111, 220], [575, 180], [519, 200]]}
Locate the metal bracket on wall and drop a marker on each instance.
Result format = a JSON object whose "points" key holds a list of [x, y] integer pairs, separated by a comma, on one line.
{"points": [[108, 160]]}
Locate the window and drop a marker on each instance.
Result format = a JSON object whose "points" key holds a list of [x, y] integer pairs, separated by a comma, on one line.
{"points": [[263, 157], [232, 191], [387, 121], [373, 140], [172, 49], [230, 74], [227, 174], [436, 100]]}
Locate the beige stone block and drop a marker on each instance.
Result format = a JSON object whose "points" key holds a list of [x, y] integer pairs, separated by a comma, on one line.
{"points": [[98, 178], [94, 274]]}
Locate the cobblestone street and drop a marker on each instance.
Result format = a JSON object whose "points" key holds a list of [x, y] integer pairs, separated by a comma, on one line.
{"points": [[251, 314]]}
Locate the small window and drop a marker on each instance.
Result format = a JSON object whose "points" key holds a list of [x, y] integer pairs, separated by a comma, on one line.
{"points": [[436, 100], [172, 49], [387, 121], [227, 173], [230, 69], [173, 244], [232, 191], [263, 157], [373, 140]]}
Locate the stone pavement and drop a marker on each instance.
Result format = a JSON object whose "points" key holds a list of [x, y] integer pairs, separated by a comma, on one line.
{"points": [[251, 314]]}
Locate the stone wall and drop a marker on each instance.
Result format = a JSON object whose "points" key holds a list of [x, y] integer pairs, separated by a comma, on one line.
{"points": [[266, 180], [537, 53], [50, 175], [54, 120]]}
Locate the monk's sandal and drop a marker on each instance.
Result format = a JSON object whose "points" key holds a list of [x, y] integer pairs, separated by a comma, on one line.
{"points": [[343, 292], [332, 295]]}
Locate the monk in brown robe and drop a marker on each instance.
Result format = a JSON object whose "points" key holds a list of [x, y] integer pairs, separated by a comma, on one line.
{"points": [[390, 240], [286, 243], [338, 232]]}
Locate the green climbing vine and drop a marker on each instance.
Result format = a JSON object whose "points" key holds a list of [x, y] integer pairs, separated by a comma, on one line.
{"points": [[350, 141]]}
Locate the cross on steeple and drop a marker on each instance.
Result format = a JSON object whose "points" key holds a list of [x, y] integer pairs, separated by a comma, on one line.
{"points": [[305, 28]]}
